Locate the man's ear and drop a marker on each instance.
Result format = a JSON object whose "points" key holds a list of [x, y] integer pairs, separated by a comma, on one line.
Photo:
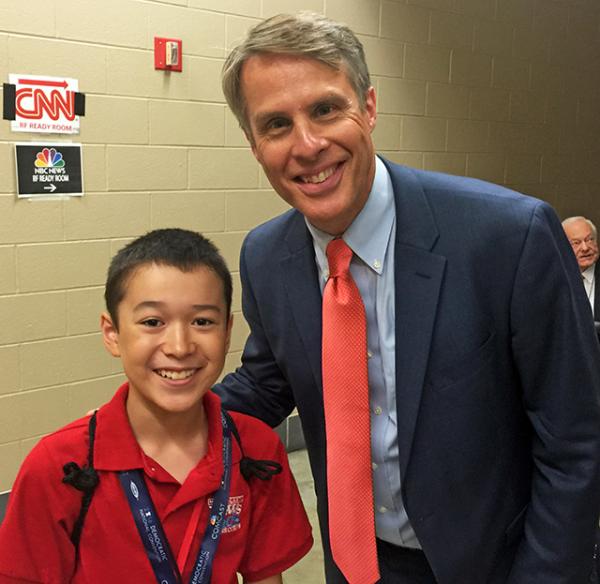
{"points": [[371, 107], [110, 334], [248, 134]]}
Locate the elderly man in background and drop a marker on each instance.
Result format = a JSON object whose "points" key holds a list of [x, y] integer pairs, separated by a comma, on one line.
{"points": [[583, 237]]}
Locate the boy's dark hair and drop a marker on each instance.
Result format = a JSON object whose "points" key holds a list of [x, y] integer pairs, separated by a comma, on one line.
{"points": [[179, 248]]}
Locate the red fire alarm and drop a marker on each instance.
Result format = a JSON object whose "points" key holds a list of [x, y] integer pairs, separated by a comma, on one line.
{"points": [[167, 54]]}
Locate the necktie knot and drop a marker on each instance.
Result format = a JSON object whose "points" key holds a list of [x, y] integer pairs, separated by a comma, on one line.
{"points": [[339, 256]]}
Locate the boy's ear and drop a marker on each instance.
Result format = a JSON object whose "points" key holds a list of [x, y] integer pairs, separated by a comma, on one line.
{"points": [[110, 335], [229, 328]]}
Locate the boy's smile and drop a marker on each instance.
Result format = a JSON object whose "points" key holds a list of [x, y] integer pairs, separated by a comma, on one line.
{"points": [[172, 337]]}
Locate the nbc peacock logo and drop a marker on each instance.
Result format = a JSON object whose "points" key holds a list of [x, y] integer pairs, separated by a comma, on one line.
{"points": [[49, 158]]}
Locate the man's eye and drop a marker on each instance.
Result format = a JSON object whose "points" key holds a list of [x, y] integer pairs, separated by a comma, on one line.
{"points": [[276, 124], [151, 322], [324, 109]]}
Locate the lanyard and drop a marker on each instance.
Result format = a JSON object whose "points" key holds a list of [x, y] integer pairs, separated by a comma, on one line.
{"points": [[151, 531]]}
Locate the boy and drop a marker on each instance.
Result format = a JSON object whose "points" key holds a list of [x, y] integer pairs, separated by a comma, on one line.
{"points": [[168, 298]]}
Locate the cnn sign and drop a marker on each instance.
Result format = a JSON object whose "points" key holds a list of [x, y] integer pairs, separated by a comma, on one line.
{"points": [[45, 104]]}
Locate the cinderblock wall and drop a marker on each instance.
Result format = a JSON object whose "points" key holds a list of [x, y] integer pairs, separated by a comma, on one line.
{"points": [[503, 90]]}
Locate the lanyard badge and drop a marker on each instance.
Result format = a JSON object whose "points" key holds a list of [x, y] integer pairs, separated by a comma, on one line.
{"points": [[152, 533]]}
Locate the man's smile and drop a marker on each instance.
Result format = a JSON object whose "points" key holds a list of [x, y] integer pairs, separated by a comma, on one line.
{"points": [[319, 177]]}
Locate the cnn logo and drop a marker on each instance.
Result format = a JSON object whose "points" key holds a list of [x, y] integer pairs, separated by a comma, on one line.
{"points": [[33, 102]]}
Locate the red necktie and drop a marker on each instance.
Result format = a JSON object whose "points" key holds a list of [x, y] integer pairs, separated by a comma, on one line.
{"points": [[347, 422]]}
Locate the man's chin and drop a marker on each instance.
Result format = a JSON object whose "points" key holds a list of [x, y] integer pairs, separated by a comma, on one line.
{"points": [[584, 265]]}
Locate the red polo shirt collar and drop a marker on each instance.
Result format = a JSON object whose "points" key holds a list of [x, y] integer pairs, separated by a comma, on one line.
{"points": [[116, 449]]}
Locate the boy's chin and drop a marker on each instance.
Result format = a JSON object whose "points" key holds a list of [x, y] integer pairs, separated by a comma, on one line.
{"points": [[167, 401]]}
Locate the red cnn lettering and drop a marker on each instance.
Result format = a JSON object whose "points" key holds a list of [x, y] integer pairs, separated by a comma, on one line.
{"points": [[33, 103]]}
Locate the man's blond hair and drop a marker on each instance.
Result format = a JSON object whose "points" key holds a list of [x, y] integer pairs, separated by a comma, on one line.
{"points": [[305, 34]]}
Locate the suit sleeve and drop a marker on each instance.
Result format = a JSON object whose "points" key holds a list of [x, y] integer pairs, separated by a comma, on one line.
{"points": [[257, 388], [558, 359]]}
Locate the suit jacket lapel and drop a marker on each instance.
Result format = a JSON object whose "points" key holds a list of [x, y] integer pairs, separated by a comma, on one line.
{"points": [[418, 279], [301, 281]]}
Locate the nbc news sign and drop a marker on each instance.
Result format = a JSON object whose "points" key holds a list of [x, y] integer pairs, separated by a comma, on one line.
{"points": [[48, 170]]}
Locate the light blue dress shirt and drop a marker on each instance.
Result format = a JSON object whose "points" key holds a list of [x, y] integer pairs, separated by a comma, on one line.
{"points": [[371, 237]]}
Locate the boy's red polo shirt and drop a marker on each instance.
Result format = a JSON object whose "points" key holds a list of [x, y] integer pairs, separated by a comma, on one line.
{"points": [[266, 530]]}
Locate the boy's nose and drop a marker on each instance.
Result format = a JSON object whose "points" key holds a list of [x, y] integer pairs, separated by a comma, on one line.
{"points": [[178, 342]]}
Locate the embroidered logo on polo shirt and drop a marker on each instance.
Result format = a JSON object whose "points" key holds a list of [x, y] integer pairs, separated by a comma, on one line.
{"points": [[232, 514]]}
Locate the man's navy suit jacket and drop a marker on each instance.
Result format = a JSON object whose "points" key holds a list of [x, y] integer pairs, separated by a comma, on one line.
{"points": [[497, 376]]}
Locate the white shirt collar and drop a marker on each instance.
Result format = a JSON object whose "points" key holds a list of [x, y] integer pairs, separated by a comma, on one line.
{"points": [[588, 273]]}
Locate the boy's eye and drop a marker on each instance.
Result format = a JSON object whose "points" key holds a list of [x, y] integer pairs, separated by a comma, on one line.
{"points": [[203, 322], [151, 322]]}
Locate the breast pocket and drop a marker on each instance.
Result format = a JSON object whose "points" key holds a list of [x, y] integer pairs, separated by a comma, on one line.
{"points": [[441, 377]]}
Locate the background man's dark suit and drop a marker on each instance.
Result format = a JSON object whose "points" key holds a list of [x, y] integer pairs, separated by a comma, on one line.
{"points": [[497, 372], [597, 296]]}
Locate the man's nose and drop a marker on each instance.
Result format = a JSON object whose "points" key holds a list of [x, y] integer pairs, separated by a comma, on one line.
{"points": [[308, 141], [178, 342]]}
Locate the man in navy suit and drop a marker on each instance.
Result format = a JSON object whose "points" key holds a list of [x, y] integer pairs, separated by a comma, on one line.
{"points": [[484, 370]]}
